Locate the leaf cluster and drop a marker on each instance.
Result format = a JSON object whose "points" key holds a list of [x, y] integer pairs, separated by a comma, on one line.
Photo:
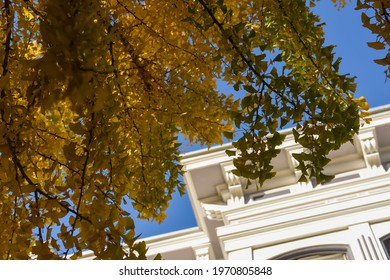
{"points": [[376, 17], [275, 52], [95, 93], [93, 97]]}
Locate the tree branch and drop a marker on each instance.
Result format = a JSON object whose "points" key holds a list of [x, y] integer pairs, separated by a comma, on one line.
{"points": [[13, 229], [246, 60], [7, 45], [19, 166], [84, 171], [152, 30], [35, 10]]}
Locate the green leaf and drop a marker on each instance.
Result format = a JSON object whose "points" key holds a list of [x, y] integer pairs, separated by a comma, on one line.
{"points": [[230, 153], [376, 45], [324, 178], [228, 135], [29, 188], [250, 89], [296, 134], [77, 128], [302, 179], [283, 122], [239, 26], [237, 85], [336, 64], [246, 101], [278, 58]]}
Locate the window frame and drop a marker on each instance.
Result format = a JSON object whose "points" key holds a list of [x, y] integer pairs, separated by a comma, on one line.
{"points": [[385, 241], [316, 250]]}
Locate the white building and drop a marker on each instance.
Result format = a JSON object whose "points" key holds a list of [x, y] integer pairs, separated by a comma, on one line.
{"points": [[347, 218]]}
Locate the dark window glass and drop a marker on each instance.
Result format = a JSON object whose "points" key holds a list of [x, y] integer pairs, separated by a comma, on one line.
{"points": [[386, 245]]}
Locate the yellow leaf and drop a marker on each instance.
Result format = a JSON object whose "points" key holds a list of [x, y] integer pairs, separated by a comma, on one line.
{"points": [[27, 14], [376, 45]]}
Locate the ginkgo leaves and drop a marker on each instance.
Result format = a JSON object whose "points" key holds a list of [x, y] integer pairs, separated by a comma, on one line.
{"points": [[275, 51], [95, 93], [376, 17]]}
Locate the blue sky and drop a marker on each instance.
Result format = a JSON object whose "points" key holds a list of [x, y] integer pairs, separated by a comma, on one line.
{"points": [[343, 29]]}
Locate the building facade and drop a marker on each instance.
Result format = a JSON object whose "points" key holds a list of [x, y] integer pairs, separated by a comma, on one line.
{"points": [[347, 218]]}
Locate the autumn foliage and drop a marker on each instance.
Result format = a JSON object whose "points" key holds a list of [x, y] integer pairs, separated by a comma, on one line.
{"points": [[95, 93]]}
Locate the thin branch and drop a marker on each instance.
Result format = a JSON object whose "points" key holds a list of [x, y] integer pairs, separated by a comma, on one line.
{"points": [[152, 30], [36, 197], [106, 195], [8, 30], [13, 228], [57, 161], [231, 41], [303, 42], [145, 75], [7, 45], [83, 178], [142, 154], [35, 10], [19, 166], [385, 13], [246, 60]]}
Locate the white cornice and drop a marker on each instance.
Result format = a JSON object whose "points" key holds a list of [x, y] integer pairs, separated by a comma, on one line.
{"points": [[316, 224], [188, 238], [320, 196], [366, 154], [380, 115], [316, 212], [173, 241]]}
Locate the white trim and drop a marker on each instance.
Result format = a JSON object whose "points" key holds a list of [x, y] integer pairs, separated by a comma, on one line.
{"points": [[175, 241], [319, 196]]}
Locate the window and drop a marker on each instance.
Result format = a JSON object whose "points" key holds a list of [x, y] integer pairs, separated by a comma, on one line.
{"points": [[318, 253], [386, 245], [326, 256]]}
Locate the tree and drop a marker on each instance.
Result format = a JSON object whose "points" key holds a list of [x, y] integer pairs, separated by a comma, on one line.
{"points": [[376, 17], [95, 93]]}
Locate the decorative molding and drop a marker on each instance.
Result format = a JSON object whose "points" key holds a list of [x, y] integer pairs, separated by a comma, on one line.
{"points": [[336, 193], [213, 211], [231, 192], [366, 242], [202, 252], [187, 238], [370, 150]]}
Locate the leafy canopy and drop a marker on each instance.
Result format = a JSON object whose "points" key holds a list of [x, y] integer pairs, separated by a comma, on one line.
{"points": [[95, 93]]}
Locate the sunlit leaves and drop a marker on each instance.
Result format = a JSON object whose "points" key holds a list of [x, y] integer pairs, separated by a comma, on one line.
{"points": [[95, 93], [376, 17], [277, 55], [93, 96]]}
